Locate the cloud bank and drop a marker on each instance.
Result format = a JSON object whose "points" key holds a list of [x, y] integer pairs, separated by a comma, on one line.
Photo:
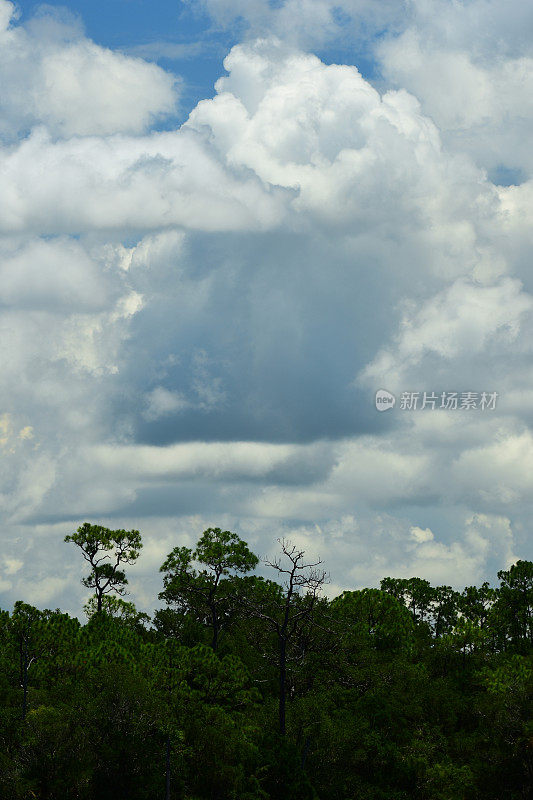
{"points": [[195, 321]]}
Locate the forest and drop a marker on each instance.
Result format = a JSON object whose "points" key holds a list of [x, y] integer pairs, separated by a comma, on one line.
{"points": [[245, 687]]}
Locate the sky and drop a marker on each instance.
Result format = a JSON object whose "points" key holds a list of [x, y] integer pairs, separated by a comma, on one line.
{"points": [[224, 227]]}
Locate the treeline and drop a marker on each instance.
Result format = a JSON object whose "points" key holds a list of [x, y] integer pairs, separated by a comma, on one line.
{"points": [[246, 688]]}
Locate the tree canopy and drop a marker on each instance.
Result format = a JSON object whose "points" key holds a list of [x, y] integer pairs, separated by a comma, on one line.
{"points": [[253, 686], [105, 550]]}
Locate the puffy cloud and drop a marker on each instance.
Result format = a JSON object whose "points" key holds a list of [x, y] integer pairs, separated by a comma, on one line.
{"points": [[326, 133], [481, 105], [370, 547], [457, 323], [85, 184], [421, 535], [285, 137], [161, 402], [51, 74], [470, 64]]}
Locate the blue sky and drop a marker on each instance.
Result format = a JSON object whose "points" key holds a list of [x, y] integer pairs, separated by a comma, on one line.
{"points": [[203, 287]]}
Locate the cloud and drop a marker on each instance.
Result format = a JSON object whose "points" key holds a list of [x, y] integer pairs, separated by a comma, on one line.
{"points": [[171, 50], [286, 138], [324, 132], [481, 105], [459, 322], [217, 461], [469, 64], [115, 183], [421, 535], [52, 274], [305, 23], [52, 74], [194, 321], [373, 547], [501, 469], [161, 402]]}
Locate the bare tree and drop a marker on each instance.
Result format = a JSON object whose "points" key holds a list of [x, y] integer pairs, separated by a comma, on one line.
{"points": [[291, 610]]}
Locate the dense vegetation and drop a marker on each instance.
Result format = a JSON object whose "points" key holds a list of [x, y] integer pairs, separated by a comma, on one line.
{"points": [[246, 688]]}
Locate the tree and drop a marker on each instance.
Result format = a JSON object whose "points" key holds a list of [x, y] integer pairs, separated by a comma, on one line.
{"points": [[41, 639], [475, 603], [212, 592], [119, 609], [445, 610], [514, 606], [476, 628], [416, 593], [27, 625], [288, 612], [373, 618], [105, 550]]}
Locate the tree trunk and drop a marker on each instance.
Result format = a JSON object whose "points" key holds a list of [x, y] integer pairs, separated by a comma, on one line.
{"points": [[282, 683], [24, 677], [25, 688], [214, 624]]}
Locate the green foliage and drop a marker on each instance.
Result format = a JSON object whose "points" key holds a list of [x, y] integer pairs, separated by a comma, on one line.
{"points": [[408, 692], [375, 617], [105, 550], [514, 606], [117, 608], [211, 593]]}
